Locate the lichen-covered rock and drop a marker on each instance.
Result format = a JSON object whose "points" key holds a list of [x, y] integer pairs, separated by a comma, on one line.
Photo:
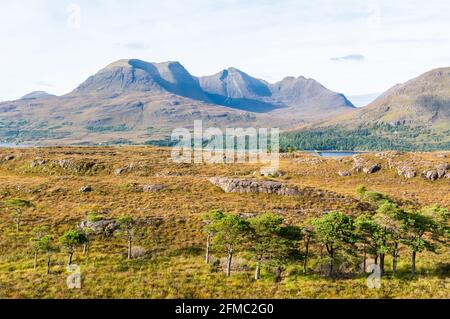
{"points": [[230, 185]]}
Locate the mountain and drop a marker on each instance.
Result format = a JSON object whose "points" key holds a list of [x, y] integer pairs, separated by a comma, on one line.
{"points": [[237, 89], [409, 116], [139, 76], [422, 101], [308, 95], [36, 95], [133, 101], [300, 96]]}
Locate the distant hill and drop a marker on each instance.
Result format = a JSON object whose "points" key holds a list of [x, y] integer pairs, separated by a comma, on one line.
{"points": [[36, 95], [410, 116], [423, 101], [133, 101]]}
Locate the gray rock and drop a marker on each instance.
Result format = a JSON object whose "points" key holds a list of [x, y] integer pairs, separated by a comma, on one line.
{"points": [[229, 185], [64, 163], [431, 174], [151, 188], [407, 172], [270, 172], [124, 170], [372, 169], [86, 189], [442, 169], [344, 173], [37, 162], [105, 226]]}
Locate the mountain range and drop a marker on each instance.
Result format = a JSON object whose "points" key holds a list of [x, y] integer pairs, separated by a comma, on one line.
{"points": [[133, 101]]}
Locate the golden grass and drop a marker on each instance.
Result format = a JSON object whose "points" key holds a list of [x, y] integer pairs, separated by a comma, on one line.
{"points": [[173, 266]]}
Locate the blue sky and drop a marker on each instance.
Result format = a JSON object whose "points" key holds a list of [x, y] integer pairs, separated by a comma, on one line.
{"points": [[351, 46]]}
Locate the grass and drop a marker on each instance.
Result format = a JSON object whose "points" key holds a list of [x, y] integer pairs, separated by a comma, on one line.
{"points": [[173, 266]]}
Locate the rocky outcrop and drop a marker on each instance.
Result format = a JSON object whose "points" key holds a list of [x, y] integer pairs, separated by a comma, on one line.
{"points": [[406, 172], [344, 173], [371, 169], [150, 188], [102, 227], [86, 189], [82, 166], [270, 172], [37, 162], [440, 171], [430, 174], [124, 169], [230, 185]]}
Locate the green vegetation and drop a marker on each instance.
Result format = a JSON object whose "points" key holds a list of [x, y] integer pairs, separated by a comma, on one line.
{"points": [[107, 129], [278, 244], [18, 206], [71, 240], [370, 138]]}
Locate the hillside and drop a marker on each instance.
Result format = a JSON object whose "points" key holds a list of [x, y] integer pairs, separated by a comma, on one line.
{"points": [[169, 200], [410, 116], [133, 101]]}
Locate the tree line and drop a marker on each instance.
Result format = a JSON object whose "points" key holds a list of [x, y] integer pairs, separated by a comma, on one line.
{"points": [[336, 236]]}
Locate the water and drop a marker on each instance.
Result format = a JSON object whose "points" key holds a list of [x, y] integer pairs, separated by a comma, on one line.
{"points": [[12, 145], [337, 153]]}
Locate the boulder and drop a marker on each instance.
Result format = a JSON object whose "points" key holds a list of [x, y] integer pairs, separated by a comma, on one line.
{"points": [[64, 163], [431, 174], [230, 185], [442, 169], [8, 158], [105, 226], [270, 172], [86, 189], [407, 172], [344, 173], [372, 169], [124, 169], [150, 188], [37, 162]]}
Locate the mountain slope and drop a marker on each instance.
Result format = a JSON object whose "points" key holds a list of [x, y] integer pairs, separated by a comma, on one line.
{"points": [[309, 97], [294, 96], [133, 101], [36, 95], [422, 101], [410, 116]]}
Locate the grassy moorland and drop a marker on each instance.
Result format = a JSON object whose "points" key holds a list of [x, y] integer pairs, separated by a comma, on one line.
{"points": [[169, 245]]}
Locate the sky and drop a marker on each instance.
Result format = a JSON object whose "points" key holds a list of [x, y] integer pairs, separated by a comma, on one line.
{"points": [[351, 46]]}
